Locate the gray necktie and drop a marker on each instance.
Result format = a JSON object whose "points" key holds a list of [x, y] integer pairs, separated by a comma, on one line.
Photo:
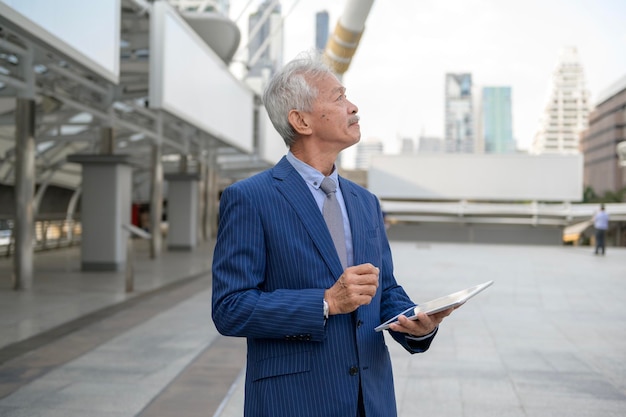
{"points": [[334, 219]]}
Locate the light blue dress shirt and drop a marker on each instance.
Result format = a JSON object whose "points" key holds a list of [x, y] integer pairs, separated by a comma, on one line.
{"points": [[314, 178]]}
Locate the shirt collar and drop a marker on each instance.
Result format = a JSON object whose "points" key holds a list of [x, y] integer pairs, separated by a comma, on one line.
{"points": [[310, 175]]}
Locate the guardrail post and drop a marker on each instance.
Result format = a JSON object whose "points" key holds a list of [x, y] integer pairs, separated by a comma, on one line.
{"points": [[130, 254], [130, 272]]}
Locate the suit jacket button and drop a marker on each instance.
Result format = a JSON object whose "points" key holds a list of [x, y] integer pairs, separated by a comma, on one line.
{"points": [[354, 370]]}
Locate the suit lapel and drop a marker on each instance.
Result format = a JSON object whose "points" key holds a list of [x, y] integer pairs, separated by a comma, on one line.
{"points": [[295, 190]]}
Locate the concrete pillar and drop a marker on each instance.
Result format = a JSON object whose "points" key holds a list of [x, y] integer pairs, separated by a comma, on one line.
{"points": [[182, 211], [107, 140], [71, 212], [105, 209], [213, 193], [24, 192], [156, 201], [183, 163], [202, 200], [206, 207]]}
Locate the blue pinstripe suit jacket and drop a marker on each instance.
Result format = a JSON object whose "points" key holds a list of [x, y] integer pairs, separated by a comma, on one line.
{"points": [[273, 260]]}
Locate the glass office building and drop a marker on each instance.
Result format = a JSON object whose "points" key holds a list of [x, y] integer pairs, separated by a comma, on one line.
{"points": [[496, 120], [321, 30]]}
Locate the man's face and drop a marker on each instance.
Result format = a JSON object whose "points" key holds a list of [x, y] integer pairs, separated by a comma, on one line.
{"points": [[334, 118]]}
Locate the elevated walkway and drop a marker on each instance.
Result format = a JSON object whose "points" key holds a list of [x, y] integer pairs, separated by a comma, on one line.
{"points": [[547, 339], [509, 223]]}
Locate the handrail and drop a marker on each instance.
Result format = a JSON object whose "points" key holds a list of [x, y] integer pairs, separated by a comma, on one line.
{"points": [[49, 234]]}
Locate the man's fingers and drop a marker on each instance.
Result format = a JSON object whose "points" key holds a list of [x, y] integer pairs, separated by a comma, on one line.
{"points": [[438, 317], [355, 287], [420, 327], [424, 324], [363, 269], [362, 288], [359, 279]]}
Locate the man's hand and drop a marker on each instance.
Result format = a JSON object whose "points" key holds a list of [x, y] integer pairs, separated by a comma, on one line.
{"points": [[355, 287], [424, 324]]}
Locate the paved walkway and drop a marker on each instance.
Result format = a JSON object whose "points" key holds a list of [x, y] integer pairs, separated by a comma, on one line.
{"points": [[547, 339]]}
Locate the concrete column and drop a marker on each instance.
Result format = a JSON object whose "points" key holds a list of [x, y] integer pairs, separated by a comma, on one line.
{"points": [[213, 193], [205, 226], [105, 209], [156, 201], [24, 192], [107, 140], [182, 211], [183, 163], [202, 193], [71, 212]]}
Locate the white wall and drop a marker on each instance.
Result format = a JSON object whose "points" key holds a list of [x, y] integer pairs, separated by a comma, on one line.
{"points": [[477, 177]]}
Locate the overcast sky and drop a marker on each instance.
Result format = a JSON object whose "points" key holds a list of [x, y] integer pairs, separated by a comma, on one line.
{"points": [[397, 75]]}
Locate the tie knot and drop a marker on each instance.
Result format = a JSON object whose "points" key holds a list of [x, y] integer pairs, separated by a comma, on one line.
{"points": [[328, 185]]}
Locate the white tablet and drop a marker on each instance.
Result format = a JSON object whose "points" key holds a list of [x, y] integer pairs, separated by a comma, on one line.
{"points": [[438, 304]]}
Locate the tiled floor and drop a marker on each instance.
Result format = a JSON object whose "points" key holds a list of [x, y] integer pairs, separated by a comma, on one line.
{"points": [[62, 292], [547, 339]]}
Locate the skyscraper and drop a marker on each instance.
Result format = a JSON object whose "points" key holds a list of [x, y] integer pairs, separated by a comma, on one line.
{"points": [[266, 40], [566, 113], [496, 120], [321, 30], [459, 132]]}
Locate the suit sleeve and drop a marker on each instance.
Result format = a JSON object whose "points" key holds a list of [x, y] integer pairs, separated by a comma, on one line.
{"points": [[394, 299], [241, 306]]}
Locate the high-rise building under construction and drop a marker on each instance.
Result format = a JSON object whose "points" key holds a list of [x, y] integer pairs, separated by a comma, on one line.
{"points": [[566, 113]]}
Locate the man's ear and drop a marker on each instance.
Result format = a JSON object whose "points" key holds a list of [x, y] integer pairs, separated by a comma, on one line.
{"points": [[299, 122]]}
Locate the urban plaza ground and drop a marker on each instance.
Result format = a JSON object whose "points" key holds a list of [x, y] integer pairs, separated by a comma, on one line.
{"points": [[547, 339]]}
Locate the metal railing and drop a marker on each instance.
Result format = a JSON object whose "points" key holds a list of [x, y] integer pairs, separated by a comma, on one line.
{"points": [[49, 234]]}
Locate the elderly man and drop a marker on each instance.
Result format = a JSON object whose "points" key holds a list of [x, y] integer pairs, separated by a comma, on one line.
{"points": [[307, 303]]}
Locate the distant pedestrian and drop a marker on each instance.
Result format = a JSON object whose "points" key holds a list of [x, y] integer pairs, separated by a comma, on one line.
{"points": [[601, 224]]}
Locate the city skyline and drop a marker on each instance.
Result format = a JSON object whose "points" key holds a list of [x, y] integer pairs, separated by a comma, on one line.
{"points": [[397, 75]]}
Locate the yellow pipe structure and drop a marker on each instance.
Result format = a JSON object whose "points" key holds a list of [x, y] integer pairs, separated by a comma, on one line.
{"points": [[342, 44]]}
